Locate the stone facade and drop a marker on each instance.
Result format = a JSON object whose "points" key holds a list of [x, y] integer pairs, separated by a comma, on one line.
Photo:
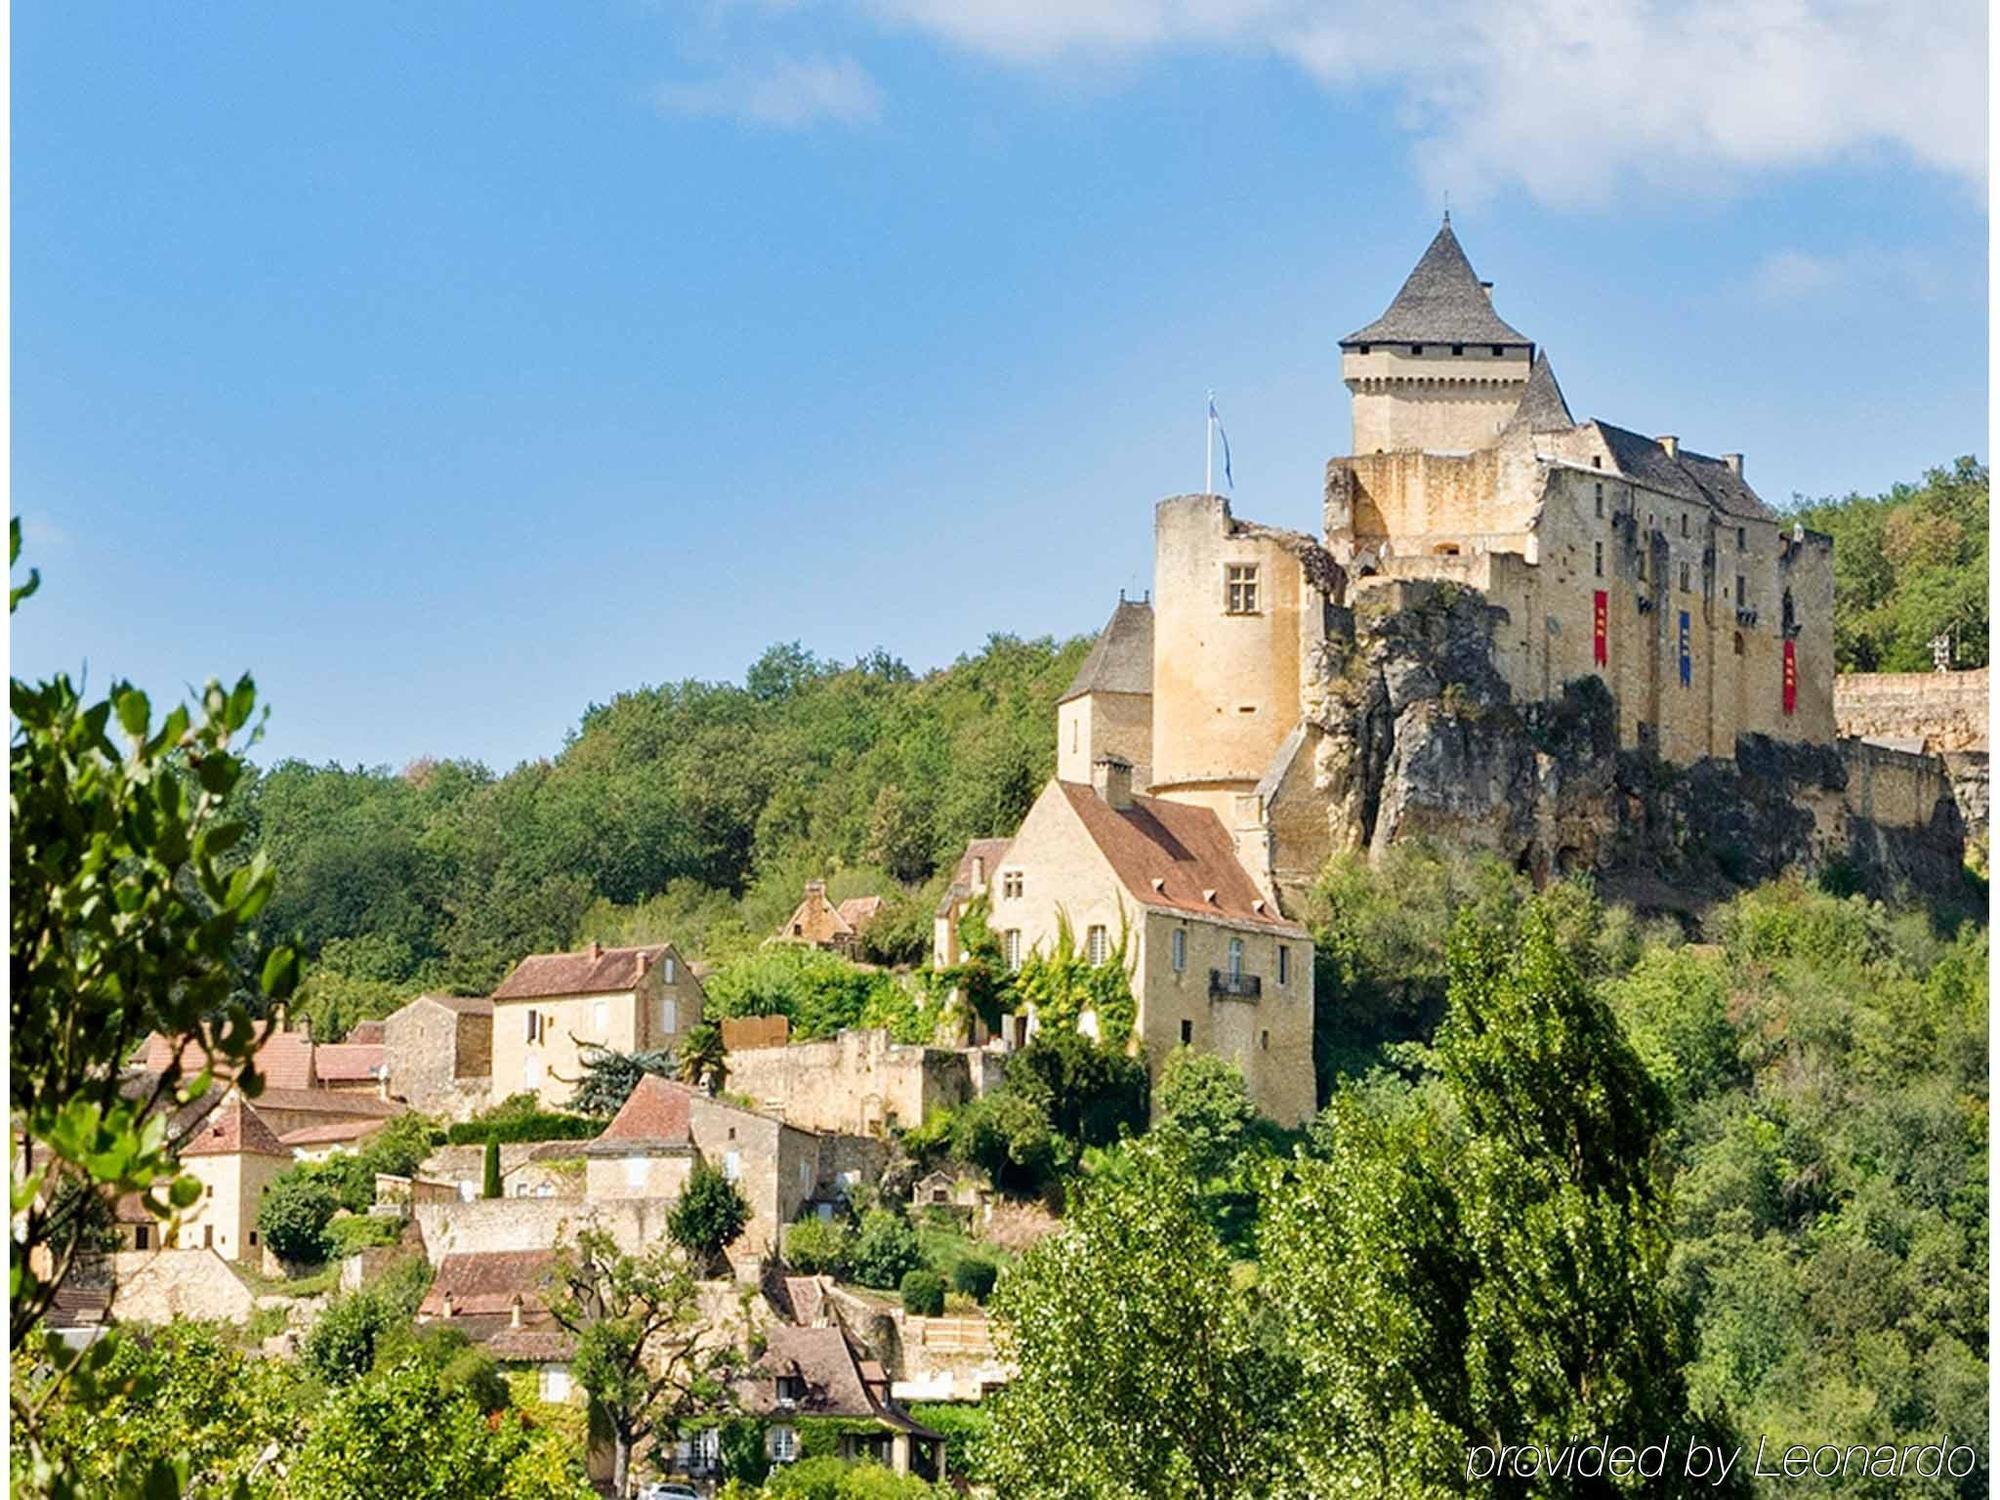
{"points": [[554, 1006], [1940, 712], [440, 1054], [158, 1286], [858, 1083]]}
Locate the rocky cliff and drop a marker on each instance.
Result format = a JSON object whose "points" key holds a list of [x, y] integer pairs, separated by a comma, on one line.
{"points": [[1413, 733]]}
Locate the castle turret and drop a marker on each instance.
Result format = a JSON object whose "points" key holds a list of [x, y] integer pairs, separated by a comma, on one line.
{"points": [[1108, 710], [1440, 371], [1232, 629]]}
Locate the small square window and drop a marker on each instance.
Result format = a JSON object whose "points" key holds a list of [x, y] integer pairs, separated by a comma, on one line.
{"points": [[1012, 883], [1597, 460], [1240, 588], [1416, 348], [1458, 348], [1187, 1033], [1498, 351]]}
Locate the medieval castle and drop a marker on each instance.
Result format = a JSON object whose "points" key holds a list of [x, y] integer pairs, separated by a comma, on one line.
{"points": [[1602, 553]]}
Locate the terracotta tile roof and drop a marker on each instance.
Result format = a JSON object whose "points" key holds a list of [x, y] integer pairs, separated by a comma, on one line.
{"points": [[369, 1033], [858, 911], [330, 1102], [593, 971], [988, 852], [465, 1005], [834, 1380], [1184, 849], [350, 1062], [1442, 302], [544, 1345], [488, 1281], [655, 1112], [285, 1059], [334, 1134], [235, 1127], [1121, 659]]}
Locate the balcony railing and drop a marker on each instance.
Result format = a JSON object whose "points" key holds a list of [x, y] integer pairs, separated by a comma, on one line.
{"points": [[1222, 986]]}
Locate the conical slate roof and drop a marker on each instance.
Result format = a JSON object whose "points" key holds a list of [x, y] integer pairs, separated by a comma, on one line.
{"points": [[1441, 303], [1122, 659], [1542, 408]]}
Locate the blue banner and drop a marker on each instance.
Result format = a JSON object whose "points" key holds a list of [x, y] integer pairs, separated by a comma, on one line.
{"points": [[1687, 659]]}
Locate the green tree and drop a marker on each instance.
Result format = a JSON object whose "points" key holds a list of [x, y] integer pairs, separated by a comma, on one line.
{"points": [[609, 1076], [341, 1344], [708, 1216], [1143, 1370], [703, 1061], [293, 1216], [1484, 1259], [489, 1184], [816, 1247], [885, 1249], [1202, 1101], [922, 1292], [129, 904], [645, 1352]]}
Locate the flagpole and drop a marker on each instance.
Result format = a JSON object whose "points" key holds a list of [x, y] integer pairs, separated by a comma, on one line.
{"points": [[1208, 463]]}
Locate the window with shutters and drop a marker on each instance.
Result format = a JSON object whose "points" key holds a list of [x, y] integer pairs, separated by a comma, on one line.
{"points": [[1097, 945], [1180, 950], [1012, 944]]}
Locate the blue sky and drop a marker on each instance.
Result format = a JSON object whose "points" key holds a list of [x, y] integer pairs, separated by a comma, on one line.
{"points": [[453, 367]]}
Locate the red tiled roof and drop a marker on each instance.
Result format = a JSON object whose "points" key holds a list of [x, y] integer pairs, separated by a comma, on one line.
{"points": [[349, 1062], [1185, 849], [656, 1110], [594, 971], [989, 852], [234, 1127], [365, 1034], [329, 1102], [285, 1059], [858, 911], [334, 1134], [465, 1005], [488, 1281]]}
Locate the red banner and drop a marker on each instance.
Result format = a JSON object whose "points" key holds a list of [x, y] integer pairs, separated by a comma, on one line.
{"points": [[1599, 624], [1791, 677]]}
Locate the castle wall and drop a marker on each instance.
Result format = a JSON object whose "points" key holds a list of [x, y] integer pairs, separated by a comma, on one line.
{"points": [[1944, 711], [858, 1083], [1225, 685]]}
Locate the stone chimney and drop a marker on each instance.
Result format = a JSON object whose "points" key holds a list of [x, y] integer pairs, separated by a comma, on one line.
{"points": [[449, 1310], [816, 888], [1671, 443], [1734, 463], [978, 869], [1111, 776], [645, 962], [596, 949], [514, 1312]]}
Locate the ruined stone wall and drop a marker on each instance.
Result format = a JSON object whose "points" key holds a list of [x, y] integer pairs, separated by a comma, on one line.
{"points": [[859, 1082], [1941, 711], [535, 1223]]}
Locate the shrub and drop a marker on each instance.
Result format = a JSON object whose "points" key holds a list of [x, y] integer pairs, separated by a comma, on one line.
{"points": [[539, 1125], [711, 1213], [923, 1293], [975, 1276], [885, 1249], [355, 1232], [341, 1346], [818, 1247], [294, 1215]]}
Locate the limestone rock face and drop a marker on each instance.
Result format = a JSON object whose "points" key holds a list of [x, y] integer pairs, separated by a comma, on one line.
{"points": [[1414, 734]]}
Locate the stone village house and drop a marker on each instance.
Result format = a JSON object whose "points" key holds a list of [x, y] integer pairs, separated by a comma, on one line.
{"points": [[555, 1006]]}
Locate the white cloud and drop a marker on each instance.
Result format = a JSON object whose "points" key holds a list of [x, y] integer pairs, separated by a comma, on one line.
{"points": [[1573, 102], [790, 94], [1797, 275]]}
